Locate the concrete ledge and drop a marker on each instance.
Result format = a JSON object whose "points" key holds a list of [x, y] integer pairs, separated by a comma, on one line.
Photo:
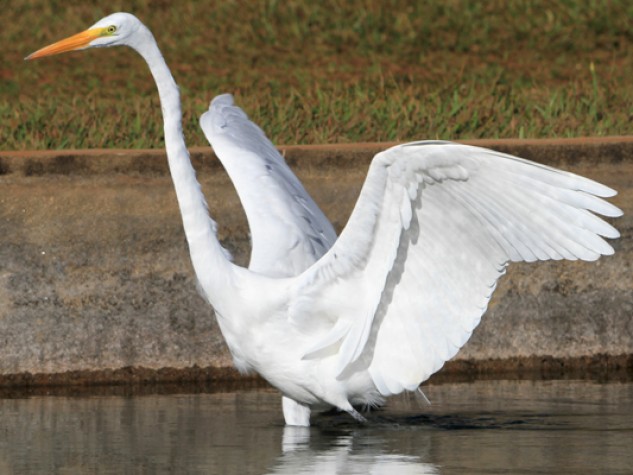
{"points": [[96, 284], [91, 382]]}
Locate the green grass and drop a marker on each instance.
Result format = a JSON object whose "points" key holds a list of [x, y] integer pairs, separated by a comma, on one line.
{"points": [[326, 72]]}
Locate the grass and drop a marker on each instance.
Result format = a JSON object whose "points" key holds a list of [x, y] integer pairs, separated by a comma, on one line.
{"points": [[326, 72]]}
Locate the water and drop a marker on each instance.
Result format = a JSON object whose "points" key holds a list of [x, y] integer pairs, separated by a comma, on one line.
{"points": [[498, 427]]}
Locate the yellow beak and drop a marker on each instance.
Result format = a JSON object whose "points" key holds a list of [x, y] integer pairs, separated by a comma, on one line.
{"points": [[79, 41]]}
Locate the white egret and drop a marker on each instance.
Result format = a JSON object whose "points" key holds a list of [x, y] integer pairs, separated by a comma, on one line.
{"points": [[403, 287], [288, 230]]}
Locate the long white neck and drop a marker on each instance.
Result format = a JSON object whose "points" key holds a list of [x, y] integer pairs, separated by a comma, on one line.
{"points": [[210, 261]]}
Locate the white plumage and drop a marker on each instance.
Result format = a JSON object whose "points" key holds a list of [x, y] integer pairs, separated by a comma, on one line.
{"points": [[288, 230], [383, 307]]}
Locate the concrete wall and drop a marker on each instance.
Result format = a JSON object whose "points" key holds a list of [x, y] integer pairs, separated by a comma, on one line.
{"points": [[95, 274]]}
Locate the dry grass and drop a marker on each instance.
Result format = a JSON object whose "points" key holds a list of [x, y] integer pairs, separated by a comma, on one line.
{"points": [[332, 71]]}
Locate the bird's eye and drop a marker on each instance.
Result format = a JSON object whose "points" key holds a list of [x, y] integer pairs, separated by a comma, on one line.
{"points": [[111, 29]]}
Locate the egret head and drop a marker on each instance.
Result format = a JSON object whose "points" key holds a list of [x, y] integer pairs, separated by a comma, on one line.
{"points": [[113, 30]]}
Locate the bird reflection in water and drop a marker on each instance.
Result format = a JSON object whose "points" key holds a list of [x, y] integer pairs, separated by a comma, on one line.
{"points": [[344, 454]]}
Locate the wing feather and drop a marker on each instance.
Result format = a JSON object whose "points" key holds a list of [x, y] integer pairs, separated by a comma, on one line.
{"points": [[433, 230], [288, 230]]}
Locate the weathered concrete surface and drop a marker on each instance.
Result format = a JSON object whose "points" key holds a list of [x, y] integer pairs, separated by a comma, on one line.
{"points": [[96, 283]]}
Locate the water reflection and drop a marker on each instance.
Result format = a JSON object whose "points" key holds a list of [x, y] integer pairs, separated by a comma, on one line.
{"points": [[489, 426], [353, 453]]}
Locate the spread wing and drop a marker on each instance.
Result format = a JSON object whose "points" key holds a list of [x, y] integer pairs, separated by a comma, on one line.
{"points": [[288, 230], [433, 229]]}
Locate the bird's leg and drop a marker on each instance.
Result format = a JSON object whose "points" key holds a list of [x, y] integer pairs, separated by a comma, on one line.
{"points": [[295, 414], [356, 415], [419, 393], [344, 405]]}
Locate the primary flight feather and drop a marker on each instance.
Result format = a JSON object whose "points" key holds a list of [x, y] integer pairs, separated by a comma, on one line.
{"points": [[383, 307]]}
